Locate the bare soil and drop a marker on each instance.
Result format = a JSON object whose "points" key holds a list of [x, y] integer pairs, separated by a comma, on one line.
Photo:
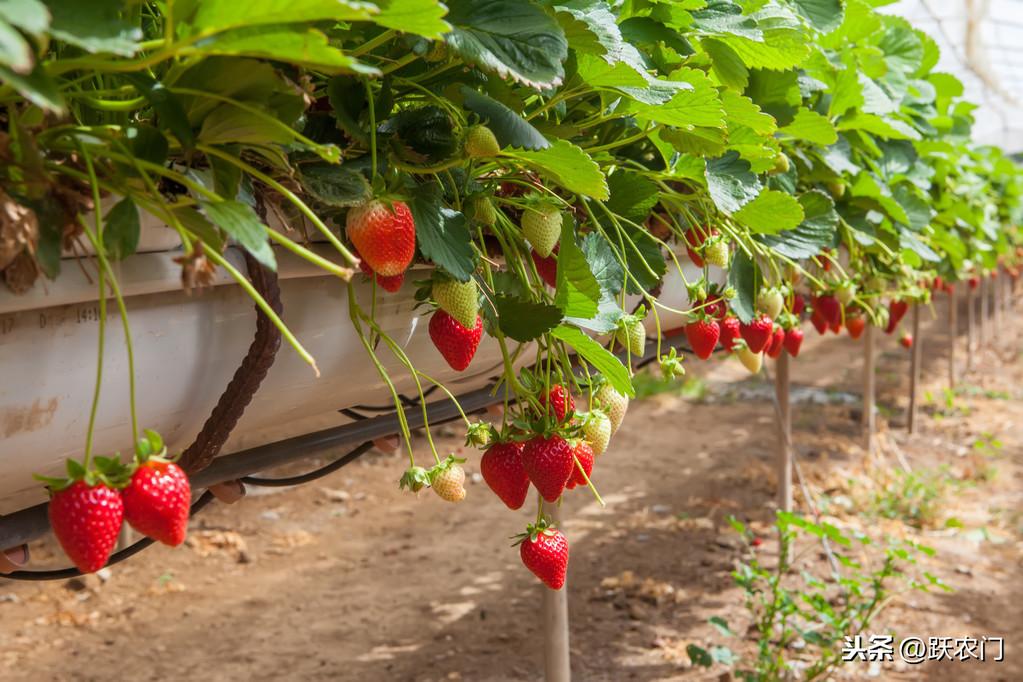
{"points": [[349, 579]]}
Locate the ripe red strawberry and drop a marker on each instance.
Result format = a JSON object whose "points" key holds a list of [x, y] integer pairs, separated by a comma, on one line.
{"points": [[896, 311], [906, 340], [703, 335], [86, 520], [460, 300], [501, 467], [974, 282], [819, 323], [156, 501], [757, 333], [695, 239], [584, 453], [548, 463], [938, 284], [456, 343], [855, 324], [561, 401], [836, 326], [793, 341], [729, 332], [798, 304], [541, 225], [776, 344], [547, 267], [385, 236], [716, 309], [544, 551], [830, 309], [391, 284]]}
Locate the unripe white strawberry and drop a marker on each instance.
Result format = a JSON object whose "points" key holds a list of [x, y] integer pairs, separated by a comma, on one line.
{"points": [[752, 361], [845, 293], [771, 302], [597, 430], [480, 143], [449, 484], [460, 300], [715, 252], [632, 335], [541, 225], [613, 403]]}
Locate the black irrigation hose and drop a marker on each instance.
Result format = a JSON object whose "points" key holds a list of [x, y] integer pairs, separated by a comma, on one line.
{"points": [[116, 558], [405, 400], [311, 475]]}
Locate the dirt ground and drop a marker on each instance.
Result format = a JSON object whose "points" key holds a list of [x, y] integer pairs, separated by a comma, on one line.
{"points": [[349, 579]]}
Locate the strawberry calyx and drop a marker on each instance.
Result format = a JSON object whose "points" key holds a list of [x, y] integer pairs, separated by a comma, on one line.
{"points": [[108, 471], [533, 531], [671, 364], [415, 479], [480, 434], [437, 469]]}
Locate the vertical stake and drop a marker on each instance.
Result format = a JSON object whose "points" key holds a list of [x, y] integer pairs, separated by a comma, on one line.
{"points": [[953, 336], [971, 322], [982, 315], [868, 387], [556, 657], [914, 371], [781, 389], [996, 303]]}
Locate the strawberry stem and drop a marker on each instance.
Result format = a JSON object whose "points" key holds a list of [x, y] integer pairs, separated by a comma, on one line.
{"points": [[97, 215], [589, 483]]}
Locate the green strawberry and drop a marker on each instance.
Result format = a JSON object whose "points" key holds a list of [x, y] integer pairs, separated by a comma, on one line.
{"points": [[781, 164], [771, 302], [631, 334], [460, 300], [845, 293], [482, 210], [597, 430], [480, 143], [541, 225], [613, 403]]}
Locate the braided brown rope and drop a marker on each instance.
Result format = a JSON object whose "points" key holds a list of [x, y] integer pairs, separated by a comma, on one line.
{"points": [[247, 378]]}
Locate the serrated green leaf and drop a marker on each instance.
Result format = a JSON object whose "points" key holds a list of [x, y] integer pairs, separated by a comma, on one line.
{"points": [[597, 356], [442, 234], [15, 52], [567, 165], [817, 230], [524, 320], [37, 87], [741, 110], [335, 185], [603, 263], [695, 102], [509, 127], [121, 229], [699, 656], [94, 26], [239, 221], [31, 16], [513, 39], [824, 15], [742, 278], [214, 16], [633, 196], [578, 291], [422, 17], [730, 183], [726, 64], [812, 127], [888, 128], [170, 111], [771, 212], [306, 47]]}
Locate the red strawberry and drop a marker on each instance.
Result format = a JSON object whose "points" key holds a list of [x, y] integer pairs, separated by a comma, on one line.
{"points": [[836, 326], [703, 335], [855, 324], [830, 308], [798, 304], [793, 340], [584, 453], [938, 284], [974, 282], [819, 323], [549, 464], [757, 333], [547, 267], [456, 343], [385, 236], [716, 309], [86, 520], [391, 284], [561, 401], [906, 340], [156, 501], [694, 239], [501, 466], [729, 332], [545, 552], [896, 311], [776, 344]]}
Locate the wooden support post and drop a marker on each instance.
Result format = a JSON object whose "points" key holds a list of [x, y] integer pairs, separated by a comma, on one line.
{"points": [[971, 322], [953, 335], [868, 387], [557, 661], [781, 389], [982, 315], [996, 303], [914, 370]]}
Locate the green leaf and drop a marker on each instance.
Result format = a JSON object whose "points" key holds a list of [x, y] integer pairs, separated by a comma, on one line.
{"points": [[633, 196], [335, 185], [903, 49], [241, 222], [726, 64], [524, 320], [912, 242], [170, 112], [721, 625], [824, 15], [742, 278], [442, 233], [603, 263], [699, 656], [645, 262], [37, 87], [741, 110], [299, 46], [815, 232], [723, 655], [730, 183], [214, 16], [917, 207], [591, 28], [31, 16], [94, 26], [888, 128], [512, 38], [509, 127], [695, 102], [847, 93], [577, 290], [227, 124], [147, 143], [569, 166], [599, 357], [121, 229], [15, 51], [422, 17], [771, 212], [812, 127]]}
